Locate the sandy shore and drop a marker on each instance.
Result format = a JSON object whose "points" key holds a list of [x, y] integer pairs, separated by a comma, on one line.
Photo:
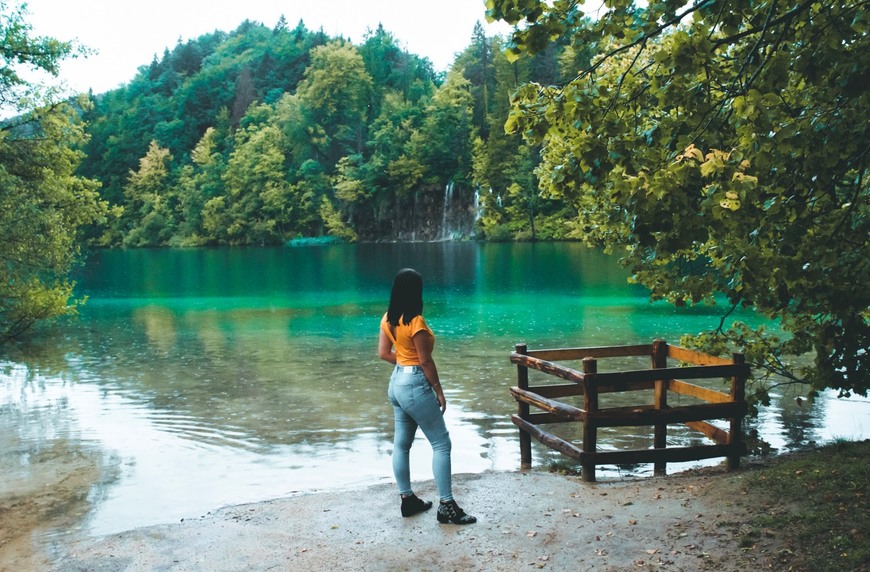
{"points": [[532, 520]]}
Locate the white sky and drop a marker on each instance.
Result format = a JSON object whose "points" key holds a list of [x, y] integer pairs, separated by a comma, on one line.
{"points": [[127, 34]]}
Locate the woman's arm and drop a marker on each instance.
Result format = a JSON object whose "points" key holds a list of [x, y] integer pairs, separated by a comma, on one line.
{"points": [[385, 347], [424, 343]]}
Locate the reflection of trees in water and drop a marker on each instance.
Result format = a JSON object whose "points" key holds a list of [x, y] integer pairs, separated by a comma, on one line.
{"points": [[790, 422], [801, 421], [158, 325], [239, 378]]}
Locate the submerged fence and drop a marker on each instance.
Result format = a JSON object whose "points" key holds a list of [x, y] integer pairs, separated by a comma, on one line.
{"points": [[660, 378]]}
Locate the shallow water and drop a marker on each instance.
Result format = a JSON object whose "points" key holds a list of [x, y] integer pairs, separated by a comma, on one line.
{"points": [[199, 378]]}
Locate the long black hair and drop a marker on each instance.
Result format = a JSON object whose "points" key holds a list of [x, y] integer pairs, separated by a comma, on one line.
{"points": [[406, 298]]}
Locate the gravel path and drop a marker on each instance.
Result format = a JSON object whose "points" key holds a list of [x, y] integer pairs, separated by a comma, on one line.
{"points": [[531, 520]]}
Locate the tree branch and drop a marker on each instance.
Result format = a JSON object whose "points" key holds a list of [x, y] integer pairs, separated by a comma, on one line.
{"points": [[622, 76], [787, 17], [643, 39]]}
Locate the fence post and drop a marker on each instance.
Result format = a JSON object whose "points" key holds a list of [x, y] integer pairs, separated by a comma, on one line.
{"points": [[523, 410], [660, 401], [590, 429], [738, 394]]}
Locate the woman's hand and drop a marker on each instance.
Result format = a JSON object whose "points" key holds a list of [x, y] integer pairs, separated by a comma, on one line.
{"points": [[442, 401], [423, 343]]}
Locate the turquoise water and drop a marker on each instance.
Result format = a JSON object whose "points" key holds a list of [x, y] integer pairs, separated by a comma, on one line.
{"points": [[200, 378]]}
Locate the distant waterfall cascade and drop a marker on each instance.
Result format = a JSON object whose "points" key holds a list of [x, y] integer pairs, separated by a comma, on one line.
{"points": [[460, 209], [478, 210], [448, 231]]}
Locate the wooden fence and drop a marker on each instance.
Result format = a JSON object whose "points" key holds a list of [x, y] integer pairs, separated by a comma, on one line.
{"points": [[660, 378]]}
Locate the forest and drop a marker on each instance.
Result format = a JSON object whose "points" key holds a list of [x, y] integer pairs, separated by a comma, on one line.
{"points": [[264, 135]]}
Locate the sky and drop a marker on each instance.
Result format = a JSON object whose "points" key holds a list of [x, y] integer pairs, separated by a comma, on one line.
{"points": [[127, 34]]}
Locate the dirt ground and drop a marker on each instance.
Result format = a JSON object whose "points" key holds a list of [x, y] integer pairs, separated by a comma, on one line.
{"points": [[526, 520]]}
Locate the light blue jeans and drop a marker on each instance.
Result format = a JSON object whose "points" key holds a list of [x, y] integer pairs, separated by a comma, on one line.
{"points": [[416, 405]]}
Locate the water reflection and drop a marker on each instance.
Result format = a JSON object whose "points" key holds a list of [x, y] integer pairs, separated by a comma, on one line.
{"points": [[200, 378], [54, 471]]}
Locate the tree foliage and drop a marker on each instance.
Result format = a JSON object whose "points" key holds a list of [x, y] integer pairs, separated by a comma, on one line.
{"points": [[42, 202], [722, 146], [270, 134]]}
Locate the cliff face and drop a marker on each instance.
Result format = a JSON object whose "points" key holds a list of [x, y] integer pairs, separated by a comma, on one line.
{"points": [[429, 215]]}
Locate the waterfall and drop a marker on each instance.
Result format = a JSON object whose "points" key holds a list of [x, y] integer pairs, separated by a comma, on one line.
{"points": [[446, 218], [477, 210]]}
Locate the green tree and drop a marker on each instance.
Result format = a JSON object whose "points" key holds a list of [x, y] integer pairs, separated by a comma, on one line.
{"points": [[510, 205], [43, 204], [477, 61], [335, 96], [723, 147], [444, 142], [334, 222], [305, 166], [259, 200], [393, 173], [148, 217], [198, 182]]}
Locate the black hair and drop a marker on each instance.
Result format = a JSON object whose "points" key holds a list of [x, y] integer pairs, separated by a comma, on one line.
{"points": [[406, 298]]}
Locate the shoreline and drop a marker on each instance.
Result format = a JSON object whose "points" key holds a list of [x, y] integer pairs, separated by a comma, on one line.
{"points": [[526, 519]]}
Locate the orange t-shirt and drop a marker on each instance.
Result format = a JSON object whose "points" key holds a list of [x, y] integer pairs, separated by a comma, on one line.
{"points": [[403, 340]]}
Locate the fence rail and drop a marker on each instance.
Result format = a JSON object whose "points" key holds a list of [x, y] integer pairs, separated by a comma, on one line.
{"points": [[660, 378]]}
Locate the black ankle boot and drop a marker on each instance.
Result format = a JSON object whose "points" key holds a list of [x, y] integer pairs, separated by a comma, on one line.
{"points": [[411, 505], [450, 512]]}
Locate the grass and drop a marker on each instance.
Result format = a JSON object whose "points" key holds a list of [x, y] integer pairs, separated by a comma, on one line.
{"points": [[818, 502], [562, 467]]}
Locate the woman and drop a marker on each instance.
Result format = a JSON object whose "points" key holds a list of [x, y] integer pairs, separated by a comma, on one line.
{"points": [[416, 395]]}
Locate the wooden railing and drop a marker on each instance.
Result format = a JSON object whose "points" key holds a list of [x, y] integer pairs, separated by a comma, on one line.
{"points": [[660, 378]]}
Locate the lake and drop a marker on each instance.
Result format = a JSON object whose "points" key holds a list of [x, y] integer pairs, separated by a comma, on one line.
{"points": [[199, 378]]}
